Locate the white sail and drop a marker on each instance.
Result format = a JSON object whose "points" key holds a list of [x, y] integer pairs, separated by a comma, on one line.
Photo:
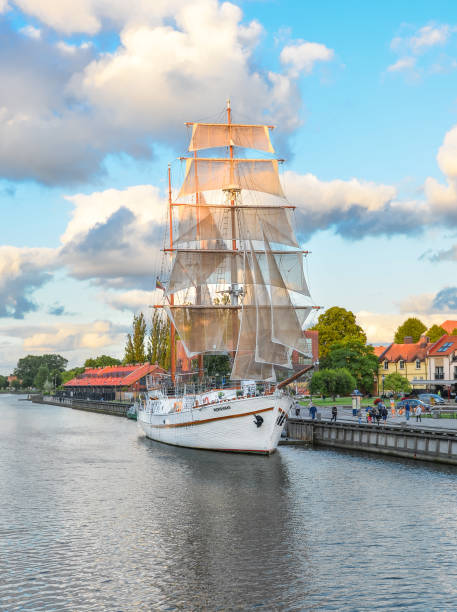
{"points": [[212, 135]]}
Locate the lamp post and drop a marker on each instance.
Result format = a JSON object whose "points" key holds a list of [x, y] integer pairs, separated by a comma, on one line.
{"points": [[383, 384]]}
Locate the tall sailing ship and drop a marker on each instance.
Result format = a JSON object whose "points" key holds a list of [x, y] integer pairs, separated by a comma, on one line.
{"points": [[236, 286]]}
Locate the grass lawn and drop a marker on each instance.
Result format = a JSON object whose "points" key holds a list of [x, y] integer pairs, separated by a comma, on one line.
{"points": [[340, 401]]}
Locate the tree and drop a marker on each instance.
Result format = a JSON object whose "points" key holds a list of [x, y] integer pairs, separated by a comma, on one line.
{"points": [[69, 374], [329, 382], [27, 367], [159, 340], [411, 327], [454, 332], [396, 382], [435, 332], [3, 382], [336, 325], [216, 364], [357, 357], [102, 361], [41, 376], [134, 348], [16, 383]]}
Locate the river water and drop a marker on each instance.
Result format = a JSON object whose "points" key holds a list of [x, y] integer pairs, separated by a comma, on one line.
{"points": [[93, 516]]}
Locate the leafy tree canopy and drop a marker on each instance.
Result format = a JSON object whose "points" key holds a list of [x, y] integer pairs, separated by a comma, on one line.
{"points": [[216, 364], [435, 332], [411, 327], [396, 382], [102, 361], [159, 340], [41, 376], [16, 384], [3, 382], [27, 367], [454, 332], [357, 357], [134, 348], [336, 325], [69, 374], [330, 383]]}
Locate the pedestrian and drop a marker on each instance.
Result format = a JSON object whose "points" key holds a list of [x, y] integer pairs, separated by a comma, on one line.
{"points": [[418, 412], [384, 414], [360, 415], [312, 411], [375, 414], [297, 409], [369, 415], [334, 414], [407, 410]]}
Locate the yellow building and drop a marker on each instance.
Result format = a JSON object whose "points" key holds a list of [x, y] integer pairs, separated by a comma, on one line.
{"points": [[408, 359]]}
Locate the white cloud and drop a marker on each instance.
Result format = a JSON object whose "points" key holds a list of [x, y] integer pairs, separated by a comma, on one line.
{"points": [[420, 304], [301, 56], [31, 32], [404, 63], [429, 36], [135, 300], [380, 328], [91, 336]]}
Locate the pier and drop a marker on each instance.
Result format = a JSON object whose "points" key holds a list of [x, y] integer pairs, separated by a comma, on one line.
{"points": [[112, 408], [425, 443]]}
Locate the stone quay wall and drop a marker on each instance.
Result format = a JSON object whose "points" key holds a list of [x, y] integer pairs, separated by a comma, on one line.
{"points": [[113, 408], [413, 443]]}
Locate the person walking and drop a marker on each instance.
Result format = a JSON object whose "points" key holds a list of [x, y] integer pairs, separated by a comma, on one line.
{"points": [[312, 411], [407, 410], [334, 414], [418, 412], [384, 414], [359, 414]]}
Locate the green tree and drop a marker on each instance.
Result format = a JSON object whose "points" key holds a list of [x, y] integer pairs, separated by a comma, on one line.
{"points": [[216, 364], [134, 348], [102, 361], [412, 327], [69, 374], [454, 332], [16, 384], [337, 325], [396, 382], [357, 357], [27, 367], [330, 383], [159, 340], [41, 376], [3, 382], [435, 332]]}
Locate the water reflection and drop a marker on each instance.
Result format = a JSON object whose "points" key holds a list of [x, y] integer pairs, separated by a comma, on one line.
{"points": [[95, 516]]}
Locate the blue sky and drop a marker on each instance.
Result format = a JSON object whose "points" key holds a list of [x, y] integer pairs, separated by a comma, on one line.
{"points": [[92, 109]]}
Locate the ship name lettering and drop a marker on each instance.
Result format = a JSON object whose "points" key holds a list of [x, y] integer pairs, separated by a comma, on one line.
{"points": [[217, 408]]}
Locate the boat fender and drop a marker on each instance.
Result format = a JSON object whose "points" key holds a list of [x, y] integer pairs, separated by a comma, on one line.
{"points": [[258, 420]]}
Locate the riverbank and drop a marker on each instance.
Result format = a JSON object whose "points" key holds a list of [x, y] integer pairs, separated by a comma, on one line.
{"points": [[426, 442], [112, 408]]}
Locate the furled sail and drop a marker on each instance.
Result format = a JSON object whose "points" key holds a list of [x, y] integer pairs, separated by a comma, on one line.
{"points": [[206, 222], [253, 174], [211, 135]]}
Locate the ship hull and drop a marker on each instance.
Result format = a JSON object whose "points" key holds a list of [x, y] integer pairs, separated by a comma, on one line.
{"points": [[223, 426]]}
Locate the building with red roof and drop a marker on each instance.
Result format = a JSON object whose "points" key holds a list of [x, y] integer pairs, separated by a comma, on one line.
{"points": [[113, 382], [442, 362], [449, 326], [408, 359]]}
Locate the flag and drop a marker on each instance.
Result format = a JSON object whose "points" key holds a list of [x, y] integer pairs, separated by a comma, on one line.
{"points": [[159, 285]]}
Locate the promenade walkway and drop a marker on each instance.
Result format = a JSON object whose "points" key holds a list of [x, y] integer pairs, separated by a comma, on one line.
{"points": [[345, 416]]}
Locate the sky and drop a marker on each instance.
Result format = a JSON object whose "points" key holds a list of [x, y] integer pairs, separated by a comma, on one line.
{"points": [[93, 102]]}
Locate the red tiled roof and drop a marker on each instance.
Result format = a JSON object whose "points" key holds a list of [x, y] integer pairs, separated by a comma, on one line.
{"points": [[113, 376], [405, 352], [379, 350], [449, 326], [434, 350]]}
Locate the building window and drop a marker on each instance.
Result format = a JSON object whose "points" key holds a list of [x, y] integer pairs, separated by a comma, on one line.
{"points": [[402, 364], [386, 365], [418, 364], [439, 373]]}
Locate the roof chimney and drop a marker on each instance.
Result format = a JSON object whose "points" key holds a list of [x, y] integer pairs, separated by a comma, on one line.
{"points": [[408, 340]]}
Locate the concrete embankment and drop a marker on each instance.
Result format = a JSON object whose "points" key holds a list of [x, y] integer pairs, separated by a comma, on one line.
{"points": [[439, 446], [113, 408]]}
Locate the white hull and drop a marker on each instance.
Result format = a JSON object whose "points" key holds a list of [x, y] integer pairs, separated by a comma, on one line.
{"points": [[222, 425]]}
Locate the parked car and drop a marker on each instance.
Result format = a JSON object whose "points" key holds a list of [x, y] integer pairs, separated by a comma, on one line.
{"points": [[427, 398], [413, 403]]}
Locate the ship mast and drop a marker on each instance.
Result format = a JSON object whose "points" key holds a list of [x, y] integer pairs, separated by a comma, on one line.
{"points": [[172, 297]]}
